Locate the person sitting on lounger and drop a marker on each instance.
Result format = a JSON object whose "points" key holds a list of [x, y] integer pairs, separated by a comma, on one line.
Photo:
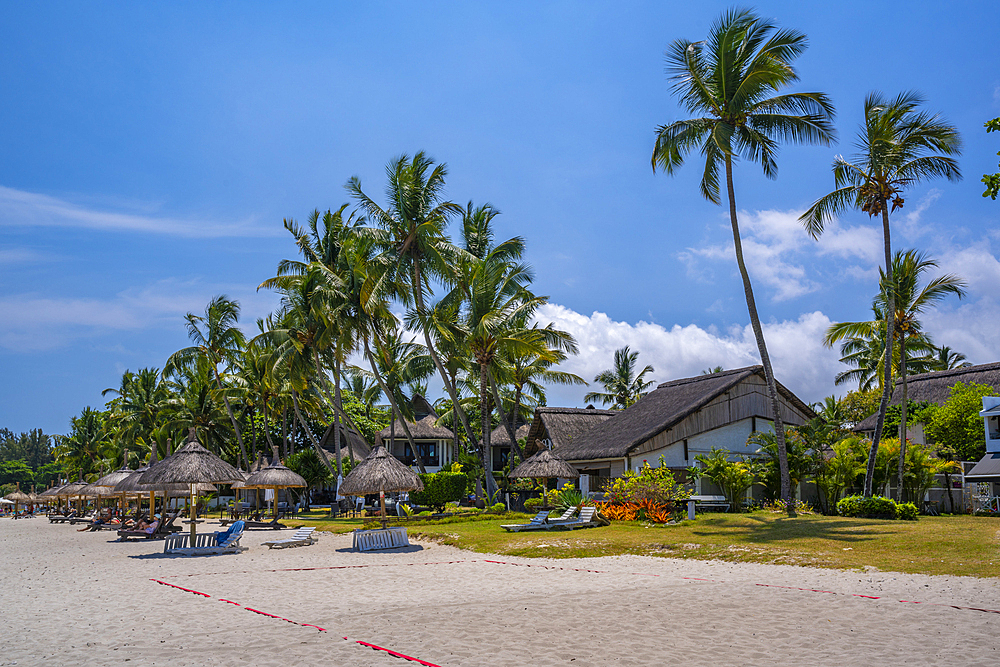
{"points": [[94, 525]]}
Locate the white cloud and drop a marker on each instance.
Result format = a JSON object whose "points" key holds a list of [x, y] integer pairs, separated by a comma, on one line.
{"points": [[28, 209], [799, 359], [9, 256], [34, 322]]}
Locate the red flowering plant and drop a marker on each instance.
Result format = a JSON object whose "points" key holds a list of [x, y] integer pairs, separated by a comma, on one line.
{"points": [[650, 494]]}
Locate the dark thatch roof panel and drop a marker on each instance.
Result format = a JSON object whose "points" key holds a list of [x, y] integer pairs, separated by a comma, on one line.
{"points": [[499, 435], [660, 410], [564, 425], [423, 429], [361, 447], [380, 471], [544, 465], [934, 387], [274, 476], [189, 464]]}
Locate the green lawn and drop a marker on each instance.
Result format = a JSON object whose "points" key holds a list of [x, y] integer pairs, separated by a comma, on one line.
{"points": [[959, 545]]}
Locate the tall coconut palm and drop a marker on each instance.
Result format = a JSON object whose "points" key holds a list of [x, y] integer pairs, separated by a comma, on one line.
{"points": [[86, 444], [136, 411], [898, 146], [400, 363], [910, 300], [733, 79], [527, 371], [414, 249], [216, 338], [622, 385]]}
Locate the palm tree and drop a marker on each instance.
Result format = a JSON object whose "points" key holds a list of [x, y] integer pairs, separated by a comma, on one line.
{"points": [[898, 146], [413, 246], [733, 79], [948, 359], [135, 414], [622, 386], [910, 300], [527, 370], [221, 342], [400, 363], [87, 443]]}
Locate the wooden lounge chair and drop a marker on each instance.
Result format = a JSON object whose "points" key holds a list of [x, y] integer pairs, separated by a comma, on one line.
{"points": [[223, 542], [267, 525], [585, 520], [62, 518], [302, 538], [540, 522], [164, 529]]}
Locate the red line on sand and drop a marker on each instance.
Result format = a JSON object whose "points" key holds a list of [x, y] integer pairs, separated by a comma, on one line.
{"points": [[794, 588], [330, 567], [375, 647]]}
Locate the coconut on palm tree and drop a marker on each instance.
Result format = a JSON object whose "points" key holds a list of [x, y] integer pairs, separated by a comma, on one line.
{"points": [[622, 385], [898, 146], [734, 81]]}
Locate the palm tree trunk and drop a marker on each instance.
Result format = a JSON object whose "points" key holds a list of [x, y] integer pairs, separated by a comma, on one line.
{"points": [[515, 447], [267, 428], [903, 423], [454, 425], [284, 429], [485, 454], [336, 431], [883, 405], [312, 438], [336, 415], [229, 410], [419, 298], [772, 388], [392, 402]]}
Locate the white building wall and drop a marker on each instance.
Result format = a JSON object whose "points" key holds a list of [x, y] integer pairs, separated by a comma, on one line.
{"points": [[732, 437]]}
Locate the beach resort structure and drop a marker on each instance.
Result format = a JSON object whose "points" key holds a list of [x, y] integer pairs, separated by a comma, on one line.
{"points": [[678, 420], [935, 388], [500, 446], [434, 443]]}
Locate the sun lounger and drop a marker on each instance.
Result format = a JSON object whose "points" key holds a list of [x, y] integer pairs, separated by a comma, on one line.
{"points": [[81, 519], [62, 518], [223, 542], [163, 529], [302, 538], [540, 522], [260, 525], [585, 520]]}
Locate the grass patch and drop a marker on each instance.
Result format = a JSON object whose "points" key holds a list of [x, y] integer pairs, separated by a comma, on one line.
{"points": [[954, 545]]}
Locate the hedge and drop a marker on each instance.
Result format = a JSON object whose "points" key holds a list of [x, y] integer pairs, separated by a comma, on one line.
{"points": [[876, 508]]}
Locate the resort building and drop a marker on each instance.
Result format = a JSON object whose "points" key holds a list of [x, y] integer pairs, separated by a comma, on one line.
{"points": [[932, 388], [351, 443], [678, 420], [500, 447], [434, 443]]}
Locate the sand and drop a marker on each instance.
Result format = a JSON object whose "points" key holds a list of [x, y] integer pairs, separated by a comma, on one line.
{"points": [[72, 598]]}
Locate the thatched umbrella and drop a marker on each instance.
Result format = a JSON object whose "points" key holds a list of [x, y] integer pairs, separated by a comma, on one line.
{"points": [[275, 476], [18, 497], [72, 490], [544, 465], [379, 473], [111, 480], [192, 464]]}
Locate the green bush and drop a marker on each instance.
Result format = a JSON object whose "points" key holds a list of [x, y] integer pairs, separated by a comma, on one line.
{"points": [[906, 511], [499, 508], [440, 488], [532, 504], [876, 508]]}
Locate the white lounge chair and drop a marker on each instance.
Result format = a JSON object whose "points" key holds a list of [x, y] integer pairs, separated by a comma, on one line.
{"points": [[585, 520], [302, 538], [540, 522]]}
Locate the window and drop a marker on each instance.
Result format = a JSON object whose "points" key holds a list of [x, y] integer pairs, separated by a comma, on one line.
{"points": [[428, 452]]}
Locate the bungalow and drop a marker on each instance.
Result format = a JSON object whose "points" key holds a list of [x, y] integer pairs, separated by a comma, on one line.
{"points": [[933, 388], [352, 443], [434, 443], [679, 420], [500, 446]]}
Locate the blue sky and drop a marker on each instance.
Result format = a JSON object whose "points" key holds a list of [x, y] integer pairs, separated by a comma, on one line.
{"points": [[150, 152]]}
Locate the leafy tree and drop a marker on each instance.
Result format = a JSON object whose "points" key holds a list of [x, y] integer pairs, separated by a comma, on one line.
{"points": [[899, 146], [622, 386], [16, 471], [948, 359], [992, 181], [733, 477], [734, 81], [87, 443], [956, 426], [838, 470], [801, 463], [308, 464], [32, 447], [859, 404], [922, 469], [710, 371]]}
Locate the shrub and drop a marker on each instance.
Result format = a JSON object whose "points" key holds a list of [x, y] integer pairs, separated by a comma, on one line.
{"points": [[733, 477], [873, 508], [532, 504], [906, 511], [499, 508], [570, 497], [440, 488], [656, 485]]}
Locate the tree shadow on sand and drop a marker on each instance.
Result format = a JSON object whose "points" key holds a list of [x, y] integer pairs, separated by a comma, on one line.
{"points": [[762, 530]]}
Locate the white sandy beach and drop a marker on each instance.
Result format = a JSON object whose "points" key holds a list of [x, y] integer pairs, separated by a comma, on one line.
{"points": [[72, 598]]}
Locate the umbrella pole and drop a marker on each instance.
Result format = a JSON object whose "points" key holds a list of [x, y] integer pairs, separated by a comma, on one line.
{"points": [[194, 511], [381, 500]]}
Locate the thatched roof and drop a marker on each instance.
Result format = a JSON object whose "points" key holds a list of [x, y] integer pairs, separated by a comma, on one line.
{"points": [[18, 496], [112, 478], [92, 490], [380, 471], [358, 443], [935, 387], [191, 463], [274, 476], [422, 429], [498, 436], [563, 425], [51, 493], [660, 410], [72, 489], [544, 464]]}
